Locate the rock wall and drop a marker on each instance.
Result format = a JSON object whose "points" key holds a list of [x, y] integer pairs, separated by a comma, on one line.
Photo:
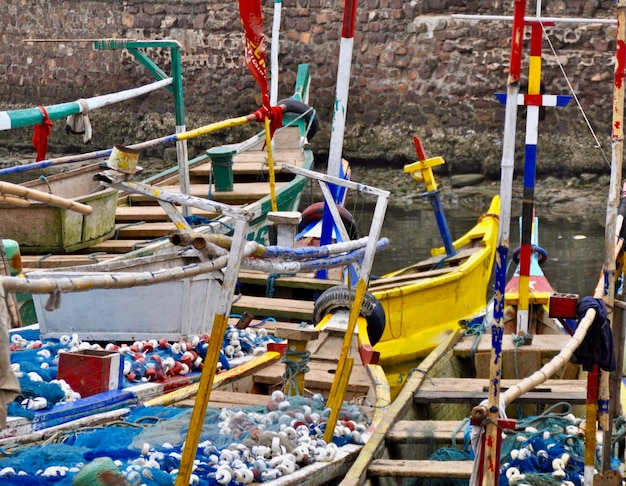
{"points": [[417, 69]]}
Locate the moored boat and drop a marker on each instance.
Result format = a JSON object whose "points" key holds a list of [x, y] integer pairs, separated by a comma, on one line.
{"points": [[533, 360]]}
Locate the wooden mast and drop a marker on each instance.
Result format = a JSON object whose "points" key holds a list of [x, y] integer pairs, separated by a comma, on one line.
{"points": [[610, 386], [490, 452]]}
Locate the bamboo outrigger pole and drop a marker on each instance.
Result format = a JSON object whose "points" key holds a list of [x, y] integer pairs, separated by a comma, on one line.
{"points": [[490, 452], [606, 391]]}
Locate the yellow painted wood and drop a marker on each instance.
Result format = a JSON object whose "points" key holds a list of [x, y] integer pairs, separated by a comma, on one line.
{"points": [[335, 404], [335, 398], [425, 171], [204, 394], [270, 161]]}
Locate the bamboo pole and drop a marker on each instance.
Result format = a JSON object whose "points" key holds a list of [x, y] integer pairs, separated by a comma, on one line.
{"points": [[197, 132], [52, 200], [490, 453], [613, 201], [220, 323]]}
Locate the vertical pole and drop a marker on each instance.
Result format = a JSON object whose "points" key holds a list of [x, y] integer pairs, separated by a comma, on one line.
{"points": [[220, 323], [275, 50], [490, 477], [612, 207], [339, 112], [530, 164], [343, 85], [181, 145]]}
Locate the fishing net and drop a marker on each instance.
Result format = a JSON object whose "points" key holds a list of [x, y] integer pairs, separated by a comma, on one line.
{"points": [[147, 446], [543, 449]]}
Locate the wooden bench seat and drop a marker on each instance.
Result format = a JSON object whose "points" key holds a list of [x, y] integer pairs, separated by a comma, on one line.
{"points": [[474, 390], [426, 431], [420, 469]]}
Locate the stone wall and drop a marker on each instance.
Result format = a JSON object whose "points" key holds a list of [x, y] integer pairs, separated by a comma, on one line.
{"points": [[417, 69]]}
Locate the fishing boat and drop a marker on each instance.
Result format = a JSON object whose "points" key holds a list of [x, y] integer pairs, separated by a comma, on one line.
{"points": [[520, 397]]}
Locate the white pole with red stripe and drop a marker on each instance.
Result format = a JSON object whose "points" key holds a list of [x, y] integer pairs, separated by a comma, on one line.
{"points": [[343, 85]]}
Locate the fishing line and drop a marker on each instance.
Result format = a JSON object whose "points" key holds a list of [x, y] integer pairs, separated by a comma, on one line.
{"points": [[571, 88]]}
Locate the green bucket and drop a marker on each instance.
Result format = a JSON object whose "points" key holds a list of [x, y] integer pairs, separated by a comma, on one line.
{"points": [[222, 163]]}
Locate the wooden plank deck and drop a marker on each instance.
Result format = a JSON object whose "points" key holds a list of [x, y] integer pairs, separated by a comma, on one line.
{"points": [[439, 432], [420, 469], [464, 390], [274, 307]]}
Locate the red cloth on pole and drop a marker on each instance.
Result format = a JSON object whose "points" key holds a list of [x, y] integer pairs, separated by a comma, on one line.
{"points": [[252, 21], [41, 135]]}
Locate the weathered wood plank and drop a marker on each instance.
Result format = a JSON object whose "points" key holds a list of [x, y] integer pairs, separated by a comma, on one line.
{"points": [[274, 307], [300, 281], [420, 469], [421, 431], [463, 390], [130, 214], [242, 193], [222, 399]]}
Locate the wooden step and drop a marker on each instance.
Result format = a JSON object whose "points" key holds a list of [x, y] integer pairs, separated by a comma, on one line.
{"points": [[131, 214], [437, 432], [420, 469], [300, 281], [251, 163], [242, 193], [38, 262], [474, 390], [119, 246], [221, 399], [288, 309], [143, 230]]}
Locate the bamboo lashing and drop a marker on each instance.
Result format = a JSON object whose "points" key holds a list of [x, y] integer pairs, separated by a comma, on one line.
{"points": [[60, 202]]}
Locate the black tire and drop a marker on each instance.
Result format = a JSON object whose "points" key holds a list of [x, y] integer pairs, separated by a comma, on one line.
{"points": [[299, 108], [315, 212], [340, 297]]}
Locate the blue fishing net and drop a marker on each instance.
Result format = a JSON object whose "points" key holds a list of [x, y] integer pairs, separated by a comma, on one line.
{"points": [[543, 449], [148, 444]]}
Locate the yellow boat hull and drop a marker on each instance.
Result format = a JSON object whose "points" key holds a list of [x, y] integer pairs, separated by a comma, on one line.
{"points": [[426, 302]]}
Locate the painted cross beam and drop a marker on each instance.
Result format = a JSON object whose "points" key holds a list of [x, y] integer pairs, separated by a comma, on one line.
{"points": [[422, 170]]}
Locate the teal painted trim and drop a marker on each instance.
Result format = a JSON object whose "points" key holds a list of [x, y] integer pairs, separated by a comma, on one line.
{"points": [[149, 64], [177, 86], [34, 116], [303, 82]]}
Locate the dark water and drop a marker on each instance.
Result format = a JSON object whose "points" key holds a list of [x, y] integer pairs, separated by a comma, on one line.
{"points": [[575, 246]]}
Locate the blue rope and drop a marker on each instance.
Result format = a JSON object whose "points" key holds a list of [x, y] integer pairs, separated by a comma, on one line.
{"points": [[296, 363]]}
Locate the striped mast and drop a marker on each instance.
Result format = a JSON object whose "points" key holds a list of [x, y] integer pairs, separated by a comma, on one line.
{"points": [[490, 450], [339, 115], [533, 101]]}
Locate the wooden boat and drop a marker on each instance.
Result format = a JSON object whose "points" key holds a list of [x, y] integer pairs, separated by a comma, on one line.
{"points": [[41, 228], [453, 419], [254, 382]]}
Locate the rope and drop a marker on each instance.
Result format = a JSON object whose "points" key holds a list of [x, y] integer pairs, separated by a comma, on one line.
{"points": [[476, 330], [271, 279], [571, 88], [296, 363], [518, 340], [462, 424]]}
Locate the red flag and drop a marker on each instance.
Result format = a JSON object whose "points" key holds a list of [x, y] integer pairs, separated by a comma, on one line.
{"points": [[252, 20]]}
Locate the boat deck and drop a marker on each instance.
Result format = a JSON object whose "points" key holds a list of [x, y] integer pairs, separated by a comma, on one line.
{"points": [[139, 220], [402, 450]]}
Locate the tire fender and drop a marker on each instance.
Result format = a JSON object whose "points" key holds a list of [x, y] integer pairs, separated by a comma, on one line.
{"points": [[300, 108], [340, 297]]}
